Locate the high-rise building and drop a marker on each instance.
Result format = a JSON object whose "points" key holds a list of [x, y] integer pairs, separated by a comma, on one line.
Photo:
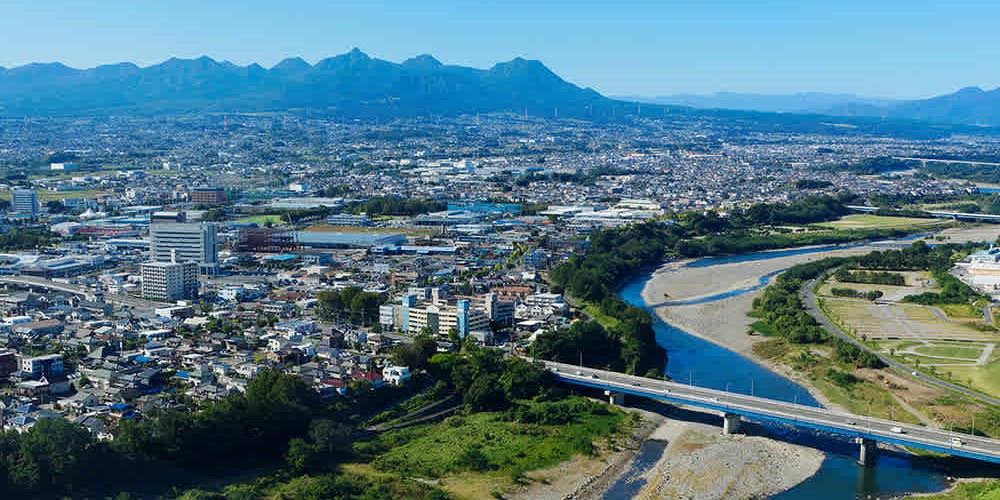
{"points": [[185, 242], [25, 201], [169, 281]]}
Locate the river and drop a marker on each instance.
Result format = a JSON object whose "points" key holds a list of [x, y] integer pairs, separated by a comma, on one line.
{"points": [[697, 361]]}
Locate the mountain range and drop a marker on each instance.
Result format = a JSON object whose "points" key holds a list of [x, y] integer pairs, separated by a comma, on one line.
{"points": [[802, 102], [351, 84], [968, 106], [356, 85]]}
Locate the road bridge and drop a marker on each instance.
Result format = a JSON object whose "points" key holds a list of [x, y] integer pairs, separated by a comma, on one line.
{"points": [[940, 214], [923, 161], [733, 407]]}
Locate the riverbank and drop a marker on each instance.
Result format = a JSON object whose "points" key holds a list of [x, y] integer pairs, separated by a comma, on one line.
{"points": [[589, 476], [701, 463], [724, 322]]}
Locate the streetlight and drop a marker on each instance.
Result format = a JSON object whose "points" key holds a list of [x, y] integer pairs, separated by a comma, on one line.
{"points": [[727, 386]]}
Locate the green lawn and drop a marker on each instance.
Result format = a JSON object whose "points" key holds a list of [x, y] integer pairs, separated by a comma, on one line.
{"points": [[961, 311], [978, 490], [984, 378], [971, 353], [764, 328], [595, 313], [409, 231], [45, 195], [868, 221], [275, 220]]}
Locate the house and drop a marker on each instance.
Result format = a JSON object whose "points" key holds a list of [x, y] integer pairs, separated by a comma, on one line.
{"points": [[373, 377], [396, 375]]}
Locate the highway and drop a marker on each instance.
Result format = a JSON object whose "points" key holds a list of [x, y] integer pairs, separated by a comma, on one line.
{"points": [[948, 162], [940, 214], [758, 408], [812, 306], [112, 298]]}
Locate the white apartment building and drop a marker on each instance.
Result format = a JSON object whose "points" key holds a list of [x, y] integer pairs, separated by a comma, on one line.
{"points": [[169, 281]]}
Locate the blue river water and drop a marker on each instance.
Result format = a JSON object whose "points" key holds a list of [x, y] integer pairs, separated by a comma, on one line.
{"points": [[697, 361]]}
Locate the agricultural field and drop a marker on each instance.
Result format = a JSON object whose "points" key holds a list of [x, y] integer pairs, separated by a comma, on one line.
{"points": [[868, 221]]}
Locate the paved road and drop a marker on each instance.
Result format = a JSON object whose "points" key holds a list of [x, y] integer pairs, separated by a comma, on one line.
{"points": [[809, 299], [847, 424], [80, 290]]}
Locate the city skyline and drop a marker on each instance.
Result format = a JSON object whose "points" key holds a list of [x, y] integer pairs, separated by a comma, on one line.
{"points": [[648, 49]]}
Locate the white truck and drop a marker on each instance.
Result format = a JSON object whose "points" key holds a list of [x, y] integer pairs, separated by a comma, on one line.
{"points": [[897, 430]]}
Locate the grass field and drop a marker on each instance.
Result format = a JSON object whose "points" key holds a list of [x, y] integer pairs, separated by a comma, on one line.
{"points": [[416, 232], [595, 313], [45, 195], [962, 312], [898, 321], [978, 490], [984, 378], [971, 353], [868, 221], [275, 220], [860, 396], [486, 448]]}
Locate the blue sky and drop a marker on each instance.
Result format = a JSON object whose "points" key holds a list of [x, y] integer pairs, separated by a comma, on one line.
{"points": [[880, 48]]}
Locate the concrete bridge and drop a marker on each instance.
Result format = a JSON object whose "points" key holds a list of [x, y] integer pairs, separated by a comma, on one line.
{"points": [[734, 407], [923, 161]]}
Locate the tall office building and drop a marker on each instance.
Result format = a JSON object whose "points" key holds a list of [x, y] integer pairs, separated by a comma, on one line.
{"points": [[189, 242], [25, 201], [169, 281]]}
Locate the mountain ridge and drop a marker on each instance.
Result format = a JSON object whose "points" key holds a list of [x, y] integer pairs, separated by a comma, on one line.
{"points": [[352, 84]]}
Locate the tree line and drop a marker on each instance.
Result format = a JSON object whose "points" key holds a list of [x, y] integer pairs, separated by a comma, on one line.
{"points": [[871, 295], [349, 304], [844, 275], [395, 205]]}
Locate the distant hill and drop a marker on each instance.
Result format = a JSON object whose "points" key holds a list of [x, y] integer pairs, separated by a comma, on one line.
{"points": [[351, 84], [803, 102], [968, 106], [971, 105]]}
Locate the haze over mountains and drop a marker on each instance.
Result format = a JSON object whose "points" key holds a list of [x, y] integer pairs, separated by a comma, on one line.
{"points": [[803, 102], [351, 84], [970, 106]]}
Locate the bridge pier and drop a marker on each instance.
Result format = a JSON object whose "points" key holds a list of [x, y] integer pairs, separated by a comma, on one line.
{"points": [[615, 398], [866, 455], [730, 423]]}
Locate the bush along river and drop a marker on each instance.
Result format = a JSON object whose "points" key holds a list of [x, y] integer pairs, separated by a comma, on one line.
{"points": [[697, 361]]}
